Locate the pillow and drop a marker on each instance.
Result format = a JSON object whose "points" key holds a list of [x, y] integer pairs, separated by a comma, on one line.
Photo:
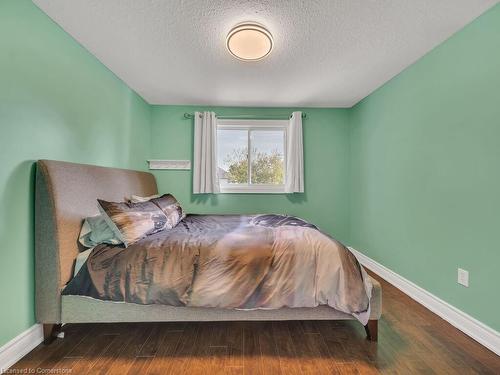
{"points": [[95, 230], [133, 221], [171, 208], [138, 199], [81, 259]]}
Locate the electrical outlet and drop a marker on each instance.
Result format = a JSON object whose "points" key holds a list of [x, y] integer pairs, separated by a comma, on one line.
{"points": [[463, 277]]}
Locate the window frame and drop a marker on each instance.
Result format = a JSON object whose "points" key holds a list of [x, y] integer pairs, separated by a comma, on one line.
{"points": [[253, 125]]}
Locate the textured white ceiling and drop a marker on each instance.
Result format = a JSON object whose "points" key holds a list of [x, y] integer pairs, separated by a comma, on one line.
{"points": [[328, 53]]}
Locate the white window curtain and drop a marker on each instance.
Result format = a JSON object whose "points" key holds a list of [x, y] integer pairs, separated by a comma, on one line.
{"points": [[205, 179], [295, 156]]}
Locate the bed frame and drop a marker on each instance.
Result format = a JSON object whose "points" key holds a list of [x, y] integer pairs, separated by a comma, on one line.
{"points": [[66, 193]]}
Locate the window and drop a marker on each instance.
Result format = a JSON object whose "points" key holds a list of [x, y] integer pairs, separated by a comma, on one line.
{"points": [[251, 155]]}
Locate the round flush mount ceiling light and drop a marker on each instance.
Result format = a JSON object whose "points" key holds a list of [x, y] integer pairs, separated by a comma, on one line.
{"points": [[249, 41]]}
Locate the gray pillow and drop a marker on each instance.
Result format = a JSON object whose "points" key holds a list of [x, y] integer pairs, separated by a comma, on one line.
{"points": [[171, 208], [95, 230]]}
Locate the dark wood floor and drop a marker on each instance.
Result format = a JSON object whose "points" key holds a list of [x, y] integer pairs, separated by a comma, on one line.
{"points": [[412, 340]]}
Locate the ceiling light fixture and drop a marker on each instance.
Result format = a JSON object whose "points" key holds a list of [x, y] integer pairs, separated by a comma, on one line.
{"points": [[249, 41]]}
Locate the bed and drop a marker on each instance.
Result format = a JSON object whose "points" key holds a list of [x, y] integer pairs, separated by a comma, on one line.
{"points": [[66, 193]]}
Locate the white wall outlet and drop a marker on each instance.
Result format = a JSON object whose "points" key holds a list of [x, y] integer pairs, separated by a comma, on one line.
{"points": [[463, 277]]}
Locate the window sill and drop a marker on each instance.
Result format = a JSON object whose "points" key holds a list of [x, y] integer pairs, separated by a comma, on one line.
{"points": [[259, 189]]}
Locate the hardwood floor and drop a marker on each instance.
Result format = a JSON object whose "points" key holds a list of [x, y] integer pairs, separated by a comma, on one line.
{"points": [[412, 340]]}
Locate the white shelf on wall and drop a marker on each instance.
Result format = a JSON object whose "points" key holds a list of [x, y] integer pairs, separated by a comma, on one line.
{"points": [[170, 164]]}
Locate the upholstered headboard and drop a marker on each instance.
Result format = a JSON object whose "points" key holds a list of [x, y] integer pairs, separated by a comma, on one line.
{"points": [[66, 193]]}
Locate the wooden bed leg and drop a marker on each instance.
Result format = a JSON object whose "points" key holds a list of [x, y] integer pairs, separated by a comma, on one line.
{"points": [[50, 332], [372, 330]]}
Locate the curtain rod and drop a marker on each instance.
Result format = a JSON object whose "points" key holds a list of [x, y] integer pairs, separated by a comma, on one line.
{"points": [[249, 117]]}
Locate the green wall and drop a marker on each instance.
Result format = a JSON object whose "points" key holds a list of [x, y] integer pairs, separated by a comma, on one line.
{"points": [[425, 167], [58, 102], [326, 150]]}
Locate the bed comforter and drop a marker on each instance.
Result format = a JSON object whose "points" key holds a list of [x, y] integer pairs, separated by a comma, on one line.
{"points": [[230, 261]]}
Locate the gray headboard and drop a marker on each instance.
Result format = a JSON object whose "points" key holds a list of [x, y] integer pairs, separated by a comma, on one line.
{"points": [[65, 194]]}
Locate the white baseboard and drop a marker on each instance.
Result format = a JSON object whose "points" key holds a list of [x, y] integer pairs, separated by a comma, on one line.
{"points": [[472, 327], [19, 346]]}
